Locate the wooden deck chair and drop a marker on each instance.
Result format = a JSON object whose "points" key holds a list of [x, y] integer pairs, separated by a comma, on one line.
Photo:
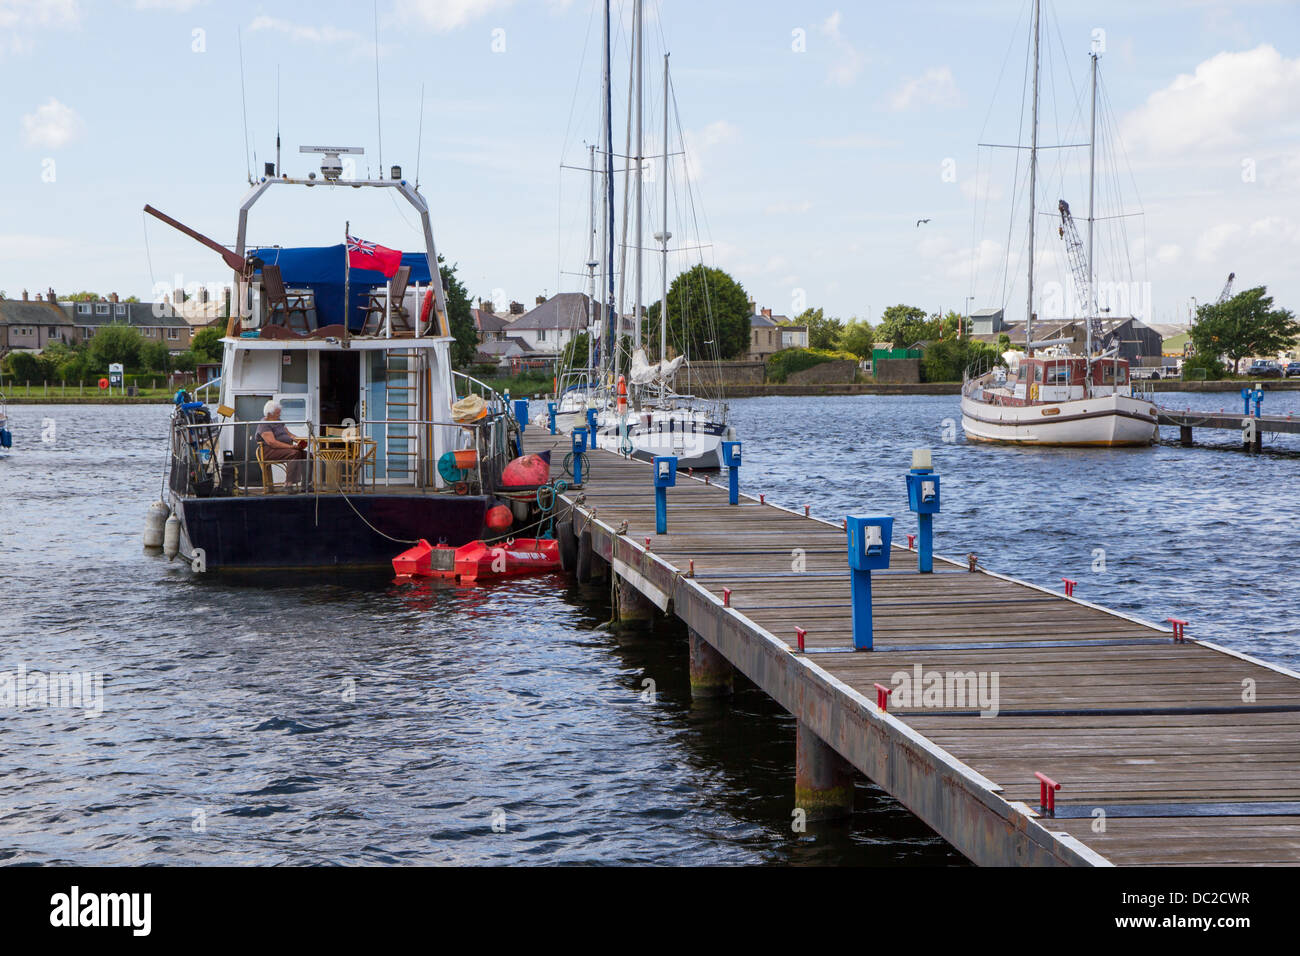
{"points": [[375, 309], [280, 303], [268, 476]]}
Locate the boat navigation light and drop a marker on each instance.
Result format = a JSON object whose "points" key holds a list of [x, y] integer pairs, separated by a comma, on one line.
{"points": [[396, 172]]}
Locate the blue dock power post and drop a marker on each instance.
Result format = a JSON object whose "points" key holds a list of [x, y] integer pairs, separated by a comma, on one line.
{"points": [[521, 413], [923, 499], [665, 478], [550, 413], [579, 439], [591, 429], [731, 461], [869, 542]]}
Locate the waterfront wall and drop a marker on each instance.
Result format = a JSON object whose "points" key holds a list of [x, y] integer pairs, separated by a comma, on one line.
{"points": [[905, 371]]}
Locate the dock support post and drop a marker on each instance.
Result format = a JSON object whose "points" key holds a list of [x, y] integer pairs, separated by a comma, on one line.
{"points": [[823, 780], [1185, 435], [711, 673], [634, 608], [582, 569]]}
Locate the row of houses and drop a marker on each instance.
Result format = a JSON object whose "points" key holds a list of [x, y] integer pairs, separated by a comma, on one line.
{"points": [[523, 340], [31, 324]]}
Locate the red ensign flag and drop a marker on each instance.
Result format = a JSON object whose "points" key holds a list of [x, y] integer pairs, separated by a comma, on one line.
{"points": [[368, 255]]}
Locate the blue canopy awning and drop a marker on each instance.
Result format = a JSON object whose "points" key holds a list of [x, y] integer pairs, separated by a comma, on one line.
{"points": [[323, 269]]}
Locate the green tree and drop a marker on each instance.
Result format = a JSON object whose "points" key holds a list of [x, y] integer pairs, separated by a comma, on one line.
{"points": [[206, 344], [185, 362], [115, 343], [154, 357], [707, 310], [950, 325], [904, 325], [950, 359], [823, 332], [1245, 325], [24, 367], [576, 352], [460, 316], [859, 338]]}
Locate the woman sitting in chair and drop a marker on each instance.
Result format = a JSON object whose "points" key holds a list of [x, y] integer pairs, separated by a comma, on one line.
{"points": [[278, 443]]}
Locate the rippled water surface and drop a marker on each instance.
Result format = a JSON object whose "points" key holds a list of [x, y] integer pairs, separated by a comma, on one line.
{"points": [[351, 720]]}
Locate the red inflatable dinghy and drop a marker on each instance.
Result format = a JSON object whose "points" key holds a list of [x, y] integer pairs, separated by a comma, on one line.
{"points": [[478, 559]]}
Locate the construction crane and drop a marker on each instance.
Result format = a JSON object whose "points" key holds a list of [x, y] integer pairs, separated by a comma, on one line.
{"points": [[1079, 264], [1226, 294]]}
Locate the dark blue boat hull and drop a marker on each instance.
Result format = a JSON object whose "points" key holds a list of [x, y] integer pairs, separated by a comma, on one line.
{"points": [[329, 531]]}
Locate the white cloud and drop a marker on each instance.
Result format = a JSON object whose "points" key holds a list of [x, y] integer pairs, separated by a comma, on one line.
{"points": [[51, 126], [847, 62], [1215, 239], [935, 87], [39, 13], [1169, 253], [446, 15], [701, 144], [18, 18], [1232, 100]]}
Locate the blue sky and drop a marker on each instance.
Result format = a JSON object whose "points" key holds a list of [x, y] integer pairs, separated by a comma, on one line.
{"points": [[818, 135]]}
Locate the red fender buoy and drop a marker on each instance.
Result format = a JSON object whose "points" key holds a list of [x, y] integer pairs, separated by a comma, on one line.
{"points": [[426, 308]]}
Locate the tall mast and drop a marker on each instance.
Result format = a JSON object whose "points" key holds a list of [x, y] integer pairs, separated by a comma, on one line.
{"points": [[607, 219], [1092, 170], [1033, 182], [591, 256], [664, 237], [640, 172]]}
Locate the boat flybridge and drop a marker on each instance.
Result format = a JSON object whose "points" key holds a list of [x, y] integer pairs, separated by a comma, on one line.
{"points": [[380, 442]]}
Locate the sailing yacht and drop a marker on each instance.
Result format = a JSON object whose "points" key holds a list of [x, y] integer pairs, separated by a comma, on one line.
{"points": [[643, 413], [1047, 396]]}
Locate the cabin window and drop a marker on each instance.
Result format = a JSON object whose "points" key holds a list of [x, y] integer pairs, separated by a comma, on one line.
{"points": [[1112, 374], [1038, 373], [1058, 375], [293, 371]]}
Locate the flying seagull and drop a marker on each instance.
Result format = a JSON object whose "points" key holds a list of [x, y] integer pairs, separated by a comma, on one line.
{"points": [[919, 221]]}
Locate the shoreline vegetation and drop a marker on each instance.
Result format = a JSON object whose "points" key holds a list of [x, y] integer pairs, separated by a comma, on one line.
{"points": [[55, 395]]}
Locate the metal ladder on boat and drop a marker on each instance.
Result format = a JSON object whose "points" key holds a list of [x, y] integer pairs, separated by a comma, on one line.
{"points": [[401, 385]]}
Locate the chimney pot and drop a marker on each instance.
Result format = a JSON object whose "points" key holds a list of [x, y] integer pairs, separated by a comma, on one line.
{"points": [[112, 297], [24, 295]]}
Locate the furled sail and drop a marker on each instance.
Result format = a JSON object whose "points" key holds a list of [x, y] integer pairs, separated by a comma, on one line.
{"points": [[643, 373]]}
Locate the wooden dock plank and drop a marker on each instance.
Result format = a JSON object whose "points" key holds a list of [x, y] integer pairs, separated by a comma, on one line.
{"points": [[1107, 705]]}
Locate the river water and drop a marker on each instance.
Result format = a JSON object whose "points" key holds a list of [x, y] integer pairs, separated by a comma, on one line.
{"points": [[352, 720]]}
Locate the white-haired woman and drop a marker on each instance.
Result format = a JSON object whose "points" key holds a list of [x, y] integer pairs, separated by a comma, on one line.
{"points": [[278, 444]]}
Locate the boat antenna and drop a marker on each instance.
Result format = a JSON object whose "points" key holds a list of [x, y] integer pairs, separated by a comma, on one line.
{"points": [[419, 142], [243, 102], [278, 170], [379, 123]]}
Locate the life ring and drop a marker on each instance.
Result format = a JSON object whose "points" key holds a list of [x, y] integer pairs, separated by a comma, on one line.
{"points": [[103, 383], [1033, 392], [426, 308]]}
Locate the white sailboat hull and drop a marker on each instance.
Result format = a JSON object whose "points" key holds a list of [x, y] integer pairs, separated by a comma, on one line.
{"points": [[694, 439], [1105, 421]]}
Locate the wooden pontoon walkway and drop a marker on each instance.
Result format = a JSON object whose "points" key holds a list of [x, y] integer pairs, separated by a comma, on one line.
{"points": [[1191, 751]]}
